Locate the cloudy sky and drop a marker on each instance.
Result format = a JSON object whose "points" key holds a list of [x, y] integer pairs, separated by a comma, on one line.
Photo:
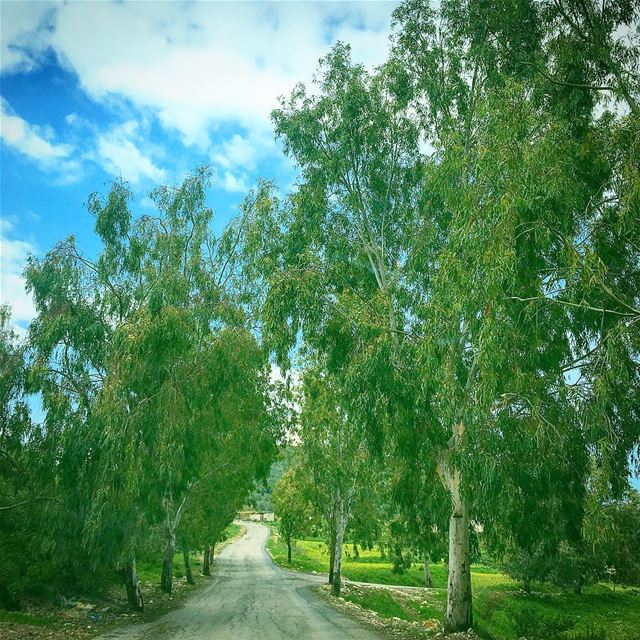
{"points": [[147, 91]]}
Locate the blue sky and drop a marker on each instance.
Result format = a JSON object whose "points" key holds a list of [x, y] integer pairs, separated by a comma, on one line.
{"points": [[147, 91]]}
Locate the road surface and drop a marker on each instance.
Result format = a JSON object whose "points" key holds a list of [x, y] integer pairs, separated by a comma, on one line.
{"points": [[250, 599]]}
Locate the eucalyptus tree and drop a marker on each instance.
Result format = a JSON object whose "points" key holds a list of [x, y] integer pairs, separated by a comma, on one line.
{"points": [[79, 303], [533, 253], [15, 422], [335, 454], [188, 384], [435, 286], [149, 379], [21, 495], [292, 506]]}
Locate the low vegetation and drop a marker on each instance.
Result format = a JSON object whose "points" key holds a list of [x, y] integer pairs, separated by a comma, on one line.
{"points": [[503, 610], [84, 615]]}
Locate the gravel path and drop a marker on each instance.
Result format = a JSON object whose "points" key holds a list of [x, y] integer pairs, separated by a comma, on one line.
{"points": [[251, 599]]}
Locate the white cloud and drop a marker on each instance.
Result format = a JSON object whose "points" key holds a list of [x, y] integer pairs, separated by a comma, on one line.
{"points": [[196, 65], [23, 34], [37, 143], [29, 139], [13, 259], [119, 154], [240, 151], [232, 183]]}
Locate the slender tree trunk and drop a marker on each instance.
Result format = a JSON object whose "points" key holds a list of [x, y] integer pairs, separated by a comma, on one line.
{"points": [[166, 581], [428, 582], [206, 564], [131, 584], [289, 549], [337, 563], [187, 564], [458, 616], [332, 553]]}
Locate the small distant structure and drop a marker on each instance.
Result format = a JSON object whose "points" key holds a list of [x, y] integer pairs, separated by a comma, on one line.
{"points": [[257, 516]]}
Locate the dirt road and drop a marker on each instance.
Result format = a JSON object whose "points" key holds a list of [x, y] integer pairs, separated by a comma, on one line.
{"points": [[250, 599]]}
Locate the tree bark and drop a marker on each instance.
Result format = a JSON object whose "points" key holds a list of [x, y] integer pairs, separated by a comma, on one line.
{"points": [[187, 565], [206, 564], [166, 581], [289, 549], [428, 582], [332, 553], [459, 615], [132, 586], [336, 584]]}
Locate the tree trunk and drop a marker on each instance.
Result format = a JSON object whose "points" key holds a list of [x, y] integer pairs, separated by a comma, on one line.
{"points": [[166, 581], [337, 562], [289, 549], [187, 564], [428, 582], [134, 593], [526, 585], [458, 616], [332, 553], [206, 563]]}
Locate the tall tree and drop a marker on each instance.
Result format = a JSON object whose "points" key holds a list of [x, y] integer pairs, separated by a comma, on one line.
{"points": [[150, 381], [448, 292], [292, 506], [335, 455]]}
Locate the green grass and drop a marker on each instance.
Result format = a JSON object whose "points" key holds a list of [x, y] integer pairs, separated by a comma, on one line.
{"points": [[18, 617], [382, 602], [501, 610], [232, 531], [150, 569], [617, 614]]}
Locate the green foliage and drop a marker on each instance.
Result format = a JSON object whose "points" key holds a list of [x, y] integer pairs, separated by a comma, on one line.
{"points": [[159, 414], [379, 601], [292, 505], [530, 625]]}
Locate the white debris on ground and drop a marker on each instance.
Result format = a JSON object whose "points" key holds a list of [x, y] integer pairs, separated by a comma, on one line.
{"points": [[391, 627]]}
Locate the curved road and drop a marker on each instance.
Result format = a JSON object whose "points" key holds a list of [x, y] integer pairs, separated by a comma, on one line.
{"points": [[250, 599]]}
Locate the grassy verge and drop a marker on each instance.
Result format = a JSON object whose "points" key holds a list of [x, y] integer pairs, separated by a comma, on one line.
{"points": [[86, 617], [501, 610]]}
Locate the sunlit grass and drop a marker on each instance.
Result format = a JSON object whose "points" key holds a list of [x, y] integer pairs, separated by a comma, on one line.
{"points": [[502, 610]]}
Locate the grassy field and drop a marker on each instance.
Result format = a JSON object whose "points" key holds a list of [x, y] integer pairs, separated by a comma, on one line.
{"points": [[501, 610]]}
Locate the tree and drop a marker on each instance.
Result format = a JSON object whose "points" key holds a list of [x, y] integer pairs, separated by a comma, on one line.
{"points": [[292, 506], [19, 491], [334, 452], [151, 384], [447, 292]]}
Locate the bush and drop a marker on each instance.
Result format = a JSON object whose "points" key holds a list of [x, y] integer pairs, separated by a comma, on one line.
{"points": [[531, 625]]}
